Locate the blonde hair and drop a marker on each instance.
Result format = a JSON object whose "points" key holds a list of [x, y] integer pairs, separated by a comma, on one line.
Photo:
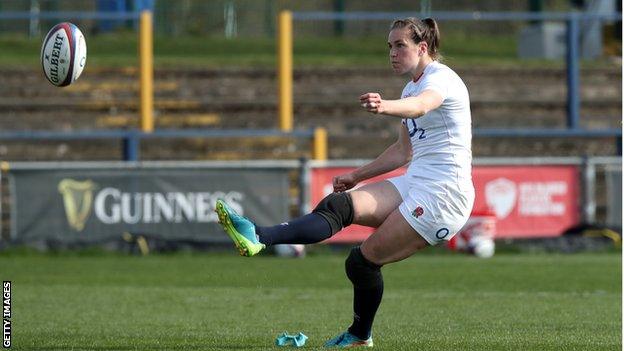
{"points": [[422, 30]]}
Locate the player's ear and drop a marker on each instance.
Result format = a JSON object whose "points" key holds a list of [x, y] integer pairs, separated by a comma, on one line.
{"points": [[423, 48]]}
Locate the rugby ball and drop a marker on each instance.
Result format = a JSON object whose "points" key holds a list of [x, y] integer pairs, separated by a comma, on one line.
{"points": [[290, 250], [482, 247], [63, 54]]}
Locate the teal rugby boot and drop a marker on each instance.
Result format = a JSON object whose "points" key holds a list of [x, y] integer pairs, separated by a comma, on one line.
{"points": [[347, 340], [240, 229]]}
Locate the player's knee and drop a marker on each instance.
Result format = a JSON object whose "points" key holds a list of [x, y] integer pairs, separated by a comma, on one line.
{"points": [[362, 272], [337, 209]]}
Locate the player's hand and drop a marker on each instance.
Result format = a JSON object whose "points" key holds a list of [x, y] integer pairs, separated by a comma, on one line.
{"points": [[372, 102], [344, 182]]}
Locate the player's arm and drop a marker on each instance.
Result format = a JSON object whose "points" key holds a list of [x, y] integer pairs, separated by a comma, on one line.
{"points": [[409, 107], [395, 156]]}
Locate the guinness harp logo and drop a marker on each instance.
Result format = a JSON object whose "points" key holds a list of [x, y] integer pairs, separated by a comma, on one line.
{"points": [[77, 198]]}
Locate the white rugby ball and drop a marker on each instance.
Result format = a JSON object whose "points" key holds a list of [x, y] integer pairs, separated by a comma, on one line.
{"points": [[63, 54], [482, 247]]}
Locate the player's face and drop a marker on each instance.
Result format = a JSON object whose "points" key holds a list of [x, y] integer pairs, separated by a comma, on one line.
{"points": [[404, 53]]}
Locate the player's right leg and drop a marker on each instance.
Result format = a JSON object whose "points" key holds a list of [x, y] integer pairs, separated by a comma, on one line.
{"points": [[368, 205], [373, 203]]}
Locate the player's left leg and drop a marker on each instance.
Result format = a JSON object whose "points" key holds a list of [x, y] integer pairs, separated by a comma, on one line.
{"points": [[393, 241]]}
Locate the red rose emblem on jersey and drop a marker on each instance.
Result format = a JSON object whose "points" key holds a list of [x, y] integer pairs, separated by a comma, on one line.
{"points": [[418, 212]]}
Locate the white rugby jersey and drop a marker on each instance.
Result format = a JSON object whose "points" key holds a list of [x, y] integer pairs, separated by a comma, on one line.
{"points": [[441, 139]]}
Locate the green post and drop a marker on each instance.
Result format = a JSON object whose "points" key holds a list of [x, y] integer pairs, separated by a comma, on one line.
{"points": [[50, 6], [162, 25], [536, 6], [339, 7], [269, 18]]}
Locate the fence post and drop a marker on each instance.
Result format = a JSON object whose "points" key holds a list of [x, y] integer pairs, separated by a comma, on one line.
{"points": [[339, 24], [285, 74], [320, 144], [131, 146], [589, 199], [304, 186], [146, 53], [572, 61]]}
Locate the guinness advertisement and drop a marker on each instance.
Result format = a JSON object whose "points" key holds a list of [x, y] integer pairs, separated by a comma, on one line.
{"points": [[96, 205]]}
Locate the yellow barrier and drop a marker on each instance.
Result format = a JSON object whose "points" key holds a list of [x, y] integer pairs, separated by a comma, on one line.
{"points": [[146, 53], [320, 144], [284, 47]]}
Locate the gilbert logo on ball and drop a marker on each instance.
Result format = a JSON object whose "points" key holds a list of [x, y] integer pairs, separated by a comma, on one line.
{"points": [[63, 54]]}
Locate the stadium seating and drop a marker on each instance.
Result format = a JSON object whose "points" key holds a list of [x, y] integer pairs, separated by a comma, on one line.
{"points": [[233, 98]]}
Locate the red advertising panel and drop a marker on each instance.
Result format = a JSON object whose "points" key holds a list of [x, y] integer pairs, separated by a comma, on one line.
{"points": [[528, 201]]}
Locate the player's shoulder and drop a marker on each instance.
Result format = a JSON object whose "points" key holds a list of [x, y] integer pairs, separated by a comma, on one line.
{"points": [[443, 73], [438, 68]]}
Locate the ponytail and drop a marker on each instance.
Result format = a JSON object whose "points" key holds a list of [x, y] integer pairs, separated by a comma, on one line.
{"points": [[433, 37]]}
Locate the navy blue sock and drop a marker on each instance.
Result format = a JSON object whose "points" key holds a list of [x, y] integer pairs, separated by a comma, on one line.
{"points": [[307, 229], [367, 292], [365, 305]]}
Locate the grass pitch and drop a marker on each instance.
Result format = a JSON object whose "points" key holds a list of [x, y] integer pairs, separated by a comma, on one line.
{"points": [[224, 302], [120, 50]]}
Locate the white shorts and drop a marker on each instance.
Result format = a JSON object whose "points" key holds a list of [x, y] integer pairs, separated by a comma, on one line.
{"points": [[437, 211]]}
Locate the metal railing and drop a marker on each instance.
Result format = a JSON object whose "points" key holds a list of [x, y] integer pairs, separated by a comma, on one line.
{"points": [[70, 15], [131, 139]]}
